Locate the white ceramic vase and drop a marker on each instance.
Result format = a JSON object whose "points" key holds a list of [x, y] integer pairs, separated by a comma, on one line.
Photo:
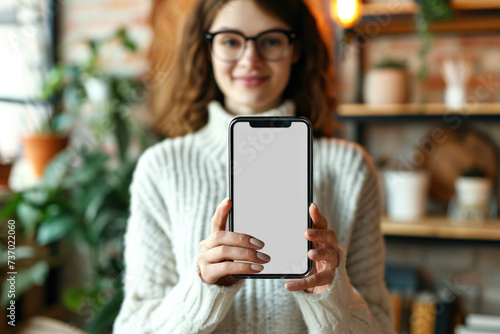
{"points": [[406, 194]]}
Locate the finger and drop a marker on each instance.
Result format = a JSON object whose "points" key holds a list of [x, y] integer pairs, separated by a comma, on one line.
{"points": [[322, 278], [225, 252], [319, 221], [328, 255], [231, 239], [322, 236], [219, 219], [213, 272]]}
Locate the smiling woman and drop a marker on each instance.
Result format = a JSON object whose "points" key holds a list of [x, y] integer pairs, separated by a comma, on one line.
{"points": [[263, 58], [250, 82], [183, 77]]}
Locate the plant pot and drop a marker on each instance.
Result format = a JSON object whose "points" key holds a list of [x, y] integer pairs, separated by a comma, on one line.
{"points": [[385, 86], [406, 194], [5, 169], [473, 196], [40, 149]]}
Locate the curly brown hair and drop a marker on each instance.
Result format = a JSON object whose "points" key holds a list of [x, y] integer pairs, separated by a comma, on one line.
{"points": [[185, 80]]}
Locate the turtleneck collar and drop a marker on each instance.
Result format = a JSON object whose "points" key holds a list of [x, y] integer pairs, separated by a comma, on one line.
{"points": [[214, 133]]}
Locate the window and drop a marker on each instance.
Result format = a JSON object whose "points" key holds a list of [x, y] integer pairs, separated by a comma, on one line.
{"points": [[27, 52]]}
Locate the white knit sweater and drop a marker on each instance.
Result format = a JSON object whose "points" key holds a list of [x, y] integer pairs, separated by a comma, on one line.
{"points": [[176, 188]]}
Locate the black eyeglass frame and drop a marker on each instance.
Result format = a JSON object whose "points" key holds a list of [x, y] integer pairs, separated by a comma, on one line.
{"points": [[292, 36]]}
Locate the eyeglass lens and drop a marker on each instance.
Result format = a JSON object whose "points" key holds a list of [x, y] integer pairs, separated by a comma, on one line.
{"points": [[271, 46]]}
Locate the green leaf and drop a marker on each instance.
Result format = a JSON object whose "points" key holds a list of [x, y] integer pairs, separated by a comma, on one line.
{"points": [[29, 217], [127, 43], [95, 205], [130, 45], [53, 82], [106, 317], [74, 297], [56, 171], [87, 172], [9, 209], [121, 135], [55, 229], [25, 279], [37, 196]]}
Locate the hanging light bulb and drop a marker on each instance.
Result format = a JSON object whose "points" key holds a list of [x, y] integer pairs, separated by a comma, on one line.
{"points": [[346, 12]]}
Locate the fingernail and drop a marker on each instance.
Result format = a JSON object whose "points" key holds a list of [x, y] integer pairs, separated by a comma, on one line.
{"points": [[313, 252], [315, 205], [311, 232], [291, 285], [256, 242], [263, 257], [256, 267]]}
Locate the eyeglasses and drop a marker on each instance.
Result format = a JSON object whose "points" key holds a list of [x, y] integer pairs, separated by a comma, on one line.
{"points": [[270, 44]]}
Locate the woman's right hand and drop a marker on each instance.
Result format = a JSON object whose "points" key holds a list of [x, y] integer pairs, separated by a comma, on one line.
{"points": [[221, 246]]}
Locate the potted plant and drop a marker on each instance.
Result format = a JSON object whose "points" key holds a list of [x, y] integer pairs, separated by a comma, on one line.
{"points": [[473, 194], [86, 203], [5, 168], [65, 87], [386, 83], [52, 133]]}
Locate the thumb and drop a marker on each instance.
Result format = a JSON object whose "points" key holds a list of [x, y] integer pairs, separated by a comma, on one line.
{"points": [[219, 219]]}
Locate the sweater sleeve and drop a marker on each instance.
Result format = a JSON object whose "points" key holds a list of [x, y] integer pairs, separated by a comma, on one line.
{"points": [[156, 299], [357, 300]]}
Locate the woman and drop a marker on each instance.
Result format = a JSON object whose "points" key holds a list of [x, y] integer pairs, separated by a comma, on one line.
{"points": [[240, 57]]}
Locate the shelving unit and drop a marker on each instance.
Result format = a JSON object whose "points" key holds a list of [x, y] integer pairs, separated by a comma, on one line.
{"points": [[363, 114], [397, 17], [475, 4], [415, 109], [410, 7], [471, 16], [434, 246], [443, 228]]}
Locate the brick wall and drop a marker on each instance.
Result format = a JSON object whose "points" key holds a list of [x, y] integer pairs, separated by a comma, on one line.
{"points": [[85, 19]]}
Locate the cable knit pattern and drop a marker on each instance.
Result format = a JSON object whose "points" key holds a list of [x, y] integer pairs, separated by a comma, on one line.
{"points": [[176, 188]]}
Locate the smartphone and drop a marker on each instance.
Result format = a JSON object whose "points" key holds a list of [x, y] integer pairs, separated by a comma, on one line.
{"points": [[270, 185]]}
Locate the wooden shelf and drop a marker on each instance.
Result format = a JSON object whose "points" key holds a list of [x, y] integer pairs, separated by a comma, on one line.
{"points": [[475, 4], [391, 8], [410, 7], [398, 18], [414, 109], [444, 228]]}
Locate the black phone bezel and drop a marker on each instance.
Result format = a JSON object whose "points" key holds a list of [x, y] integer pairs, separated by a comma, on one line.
{"points": [[273, 121]]}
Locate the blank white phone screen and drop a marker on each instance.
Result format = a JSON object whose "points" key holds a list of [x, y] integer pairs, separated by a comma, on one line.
{"points": [[270, 192]]}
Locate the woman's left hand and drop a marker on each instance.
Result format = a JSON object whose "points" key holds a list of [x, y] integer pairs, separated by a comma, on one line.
{"points": [[323, 254]]}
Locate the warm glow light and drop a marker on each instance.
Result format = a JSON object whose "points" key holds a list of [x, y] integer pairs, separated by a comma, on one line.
{"points": [[346, 12]]}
